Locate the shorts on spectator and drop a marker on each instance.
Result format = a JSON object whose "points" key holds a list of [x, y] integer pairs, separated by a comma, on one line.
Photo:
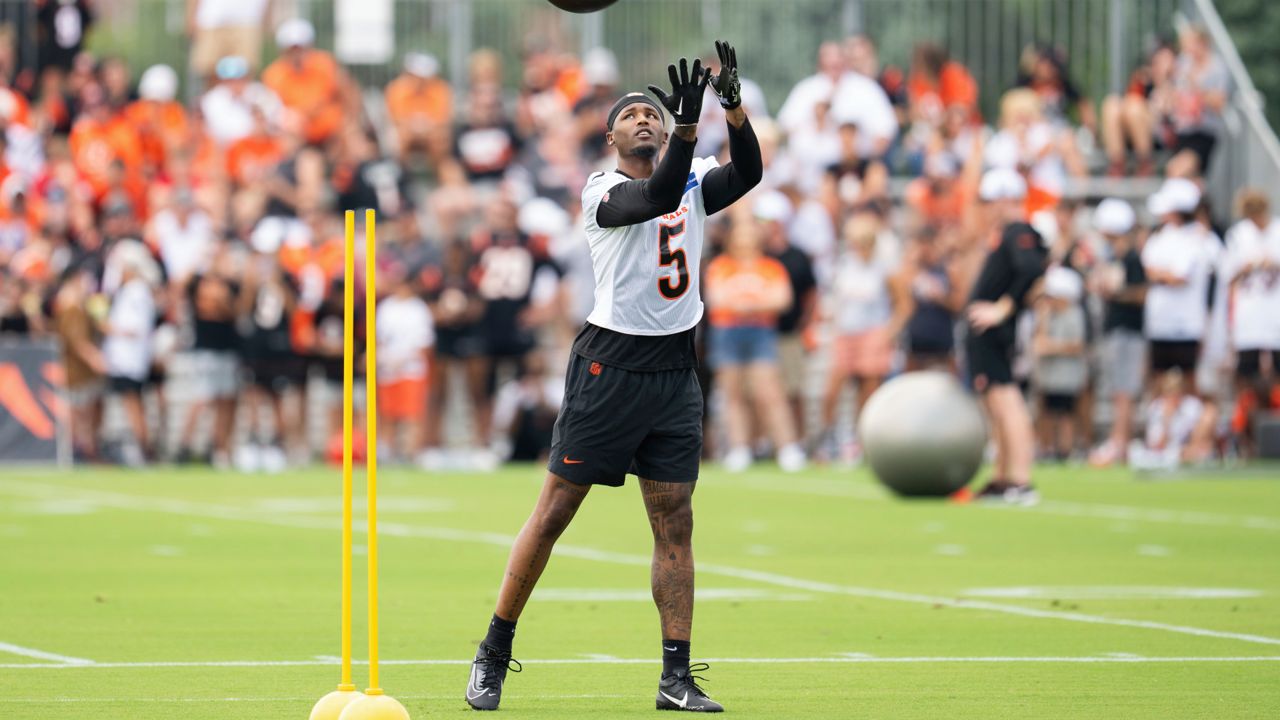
{"points": [[864, 355], [1169, 355], [1201, 143], [1249, 363], [1059, 404], [213, 44], [403, 399], [119, 385], [990, 356], [276, 374], [213, 374], [1124, 362], [794, 362], [85, 394], [743, 345]]}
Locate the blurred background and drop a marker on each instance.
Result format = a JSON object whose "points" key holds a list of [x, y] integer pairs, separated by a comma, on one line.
{"points": [[175, 175]]}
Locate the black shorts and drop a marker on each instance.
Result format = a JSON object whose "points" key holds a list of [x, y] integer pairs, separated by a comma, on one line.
{"points": [[1201, 143], [1056, 404], [117, 385], [1169, 355], [276, 374], [616, 422], [1249, 363], [990, 356]]}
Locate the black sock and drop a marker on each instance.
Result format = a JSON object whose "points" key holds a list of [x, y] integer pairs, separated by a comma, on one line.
{"points": [[675, 657], [501, 633]]}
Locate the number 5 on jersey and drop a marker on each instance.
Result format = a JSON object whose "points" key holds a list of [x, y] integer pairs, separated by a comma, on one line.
{"points": [[667, 287]]}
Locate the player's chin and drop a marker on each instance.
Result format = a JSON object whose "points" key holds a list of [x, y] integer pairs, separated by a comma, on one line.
{"points": [[645, 148]]}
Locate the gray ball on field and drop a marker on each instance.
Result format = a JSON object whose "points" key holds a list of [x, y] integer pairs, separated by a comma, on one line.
{"points": [[923, 434]]}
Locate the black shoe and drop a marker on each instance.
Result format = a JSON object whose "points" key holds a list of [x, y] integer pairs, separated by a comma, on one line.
{"points": [[1007, 492], [679, 692], [488, 671]]}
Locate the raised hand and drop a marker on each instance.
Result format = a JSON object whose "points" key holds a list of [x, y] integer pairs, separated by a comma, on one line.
{"points": [[726, 84], [687, 89]]}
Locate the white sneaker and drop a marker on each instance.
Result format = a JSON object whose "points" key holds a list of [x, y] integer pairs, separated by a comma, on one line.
{"points": [[737, 459], [432, 459], [791, 458], [247, 458], [272, 459]]}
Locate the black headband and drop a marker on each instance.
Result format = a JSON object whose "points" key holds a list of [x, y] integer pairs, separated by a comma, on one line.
{"points": [[632, 99]]}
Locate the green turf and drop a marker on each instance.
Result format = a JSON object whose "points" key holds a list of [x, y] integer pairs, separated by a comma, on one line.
{"points": [[820, 581]]}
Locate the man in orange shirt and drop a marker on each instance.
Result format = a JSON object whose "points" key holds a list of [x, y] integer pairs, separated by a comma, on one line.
{"points": [[310, 83], [252, 158], [419, 102], [160, 121], [102, 137], [937, 83]]}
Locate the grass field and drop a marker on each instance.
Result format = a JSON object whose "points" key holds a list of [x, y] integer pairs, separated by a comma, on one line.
{"points": [[188, 594]]}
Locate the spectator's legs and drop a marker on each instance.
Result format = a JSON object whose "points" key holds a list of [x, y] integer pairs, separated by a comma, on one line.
{"points": [[437, 402], [224, 411], [1009, 414], [1066, 435], [477, 381], [1140, 127], [767, 394], [1199, 446], [1000, 460], [136, 417], [1113, 133], [737, 420], [1121, 421], [188, 437]]}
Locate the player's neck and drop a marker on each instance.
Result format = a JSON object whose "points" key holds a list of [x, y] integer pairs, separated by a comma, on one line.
{"points": [[636, 167]]}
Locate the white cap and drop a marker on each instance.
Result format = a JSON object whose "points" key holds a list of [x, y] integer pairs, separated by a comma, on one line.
{"points": [[1182, 195], [1063, 283], [600, 67], [423, 65], [267, 235], [158, 83], [1113, 217], [1002, 184], [772, 206], [543, 216], [1158, 205], [295, 33]]}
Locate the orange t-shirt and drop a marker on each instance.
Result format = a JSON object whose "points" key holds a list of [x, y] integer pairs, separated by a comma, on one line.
{"points": [[310, 89], [736, 281], [409, 98], [955, 86], [94, 146], [250, 158], [160, 126]]}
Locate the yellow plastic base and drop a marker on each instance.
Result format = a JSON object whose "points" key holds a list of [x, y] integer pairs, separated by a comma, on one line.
{"points": [[330, 706], [375, 707]]}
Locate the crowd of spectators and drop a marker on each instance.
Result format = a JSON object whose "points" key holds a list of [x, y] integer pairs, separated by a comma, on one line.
{"points": [[188, 255]]}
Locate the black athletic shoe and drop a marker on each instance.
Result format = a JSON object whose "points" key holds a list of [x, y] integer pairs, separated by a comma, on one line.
{"points": [[488, 671], [680, 692], [1007, 492]]}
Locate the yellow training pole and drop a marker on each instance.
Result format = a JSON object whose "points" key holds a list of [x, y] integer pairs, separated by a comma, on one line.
{"points": [[374, 705], [332, 705], [371, 422]]}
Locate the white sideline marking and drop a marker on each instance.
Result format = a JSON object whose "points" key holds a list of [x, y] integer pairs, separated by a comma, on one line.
{"points": [[1110, 592], [12, 649], [181, 507], [843, 659], [511, 696]]}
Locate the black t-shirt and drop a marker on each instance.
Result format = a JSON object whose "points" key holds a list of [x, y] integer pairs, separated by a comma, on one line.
{"points": [[1013, 266], [1127, 315], [377, 184], [486, 152], [507, 264], [269, 319], [638, 353], [213, 312], [800, 271]]}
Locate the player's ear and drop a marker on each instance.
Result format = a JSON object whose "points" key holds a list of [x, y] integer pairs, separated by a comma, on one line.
{"points": [[608, 138], [665, 137]]}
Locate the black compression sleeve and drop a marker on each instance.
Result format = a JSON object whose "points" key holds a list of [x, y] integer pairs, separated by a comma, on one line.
{"points": [[723, 186], [637, 201]]}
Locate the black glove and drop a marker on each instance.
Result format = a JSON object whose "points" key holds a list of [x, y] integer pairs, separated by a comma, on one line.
{"points": [[727, 85], [687, 89]]}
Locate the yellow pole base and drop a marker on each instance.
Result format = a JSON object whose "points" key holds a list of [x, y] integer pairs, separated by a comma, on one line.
{"points": [[330, 706], [375, 707]]}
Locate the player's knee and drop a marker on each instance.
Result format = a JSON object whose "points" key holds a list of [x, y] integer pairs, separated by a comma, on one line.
{"points": [[550, 522], [675, 524]]}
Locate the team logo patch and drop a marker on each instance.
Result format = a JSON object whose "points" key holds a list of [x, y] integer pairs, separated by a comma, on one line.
{"points": [[605, 199], [596, 368]]}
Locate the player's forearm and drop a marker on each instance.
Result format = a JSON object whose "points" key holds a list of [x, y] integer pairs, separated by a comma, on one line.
{"points": [[686, 132], [723, 186], [736, 116]]}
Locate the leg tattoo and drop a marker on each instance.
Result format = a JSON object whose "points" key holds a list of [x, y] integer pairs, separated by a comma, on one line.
{"points": [[670, 509]]}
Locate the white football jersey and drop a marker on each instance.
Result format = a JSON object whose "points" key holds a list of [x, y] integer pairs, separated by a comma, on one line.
{"points": [[647, 274]]}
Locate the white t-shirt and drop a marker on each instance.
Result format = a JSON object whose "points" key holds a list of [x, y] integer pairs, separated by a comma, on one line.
{"points": [[647, 275], [230, 13], [229, 116], [860, 293], [1255, 299], [1007, 150], [405, 329], [184, 248], [1179, 313], [127, 348], [855, 98]]}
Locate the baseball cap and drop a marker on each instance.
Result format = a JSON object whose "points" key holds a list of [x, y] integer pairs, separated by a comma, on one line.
{"points": [[772, 206], [1113, 217], [1002, 184], [600, 67], [1063, 283], [158, 83], [422, 65], [295, 33], [232, 67], [1182, 195]]}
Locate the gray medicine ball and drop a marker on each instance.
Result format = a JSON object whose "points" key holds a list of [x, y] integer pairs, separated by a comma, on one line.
{"points": [[923, 434]]}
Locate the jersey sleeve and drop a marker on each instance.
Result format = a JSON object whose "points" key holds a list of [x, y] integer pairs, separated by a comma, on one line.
{"points": [[596, 192]]}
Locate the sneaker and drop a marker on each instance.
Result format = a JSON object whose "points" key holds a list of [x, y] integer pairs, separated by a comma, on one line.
{"points": [[737, 459], [678, 691], [791, 458], [1009, 493], [488, 672]]}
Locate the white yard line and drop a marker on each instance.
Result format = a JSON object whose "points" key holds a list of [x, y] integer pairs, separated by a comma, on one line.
{"points": [[11, 649], [185, 508], [605, 660]]}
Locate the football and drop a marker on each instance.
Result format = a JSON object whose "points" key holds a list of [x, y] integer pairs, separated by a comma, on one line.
{"points": [[582, 6]]}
